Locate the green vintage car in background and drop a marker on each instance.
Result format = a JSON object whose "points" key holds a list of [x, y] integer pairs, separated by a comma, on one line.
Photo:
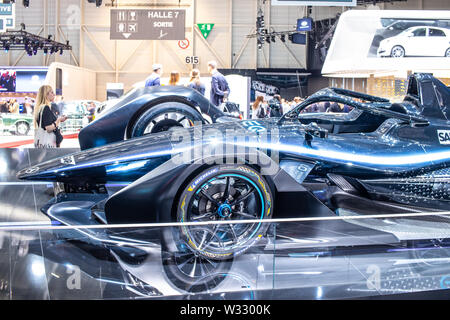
{"points": [[16, 123], [78, 113]]}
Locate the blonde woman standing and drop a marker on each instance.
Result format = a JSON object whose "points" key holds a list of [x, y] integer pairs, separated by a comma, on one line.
{"points": [[46, 133]]}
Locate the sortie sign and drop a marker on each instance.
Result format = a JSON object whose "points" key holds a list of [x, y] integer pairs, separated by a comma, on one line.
{"points": [[147, 24]]}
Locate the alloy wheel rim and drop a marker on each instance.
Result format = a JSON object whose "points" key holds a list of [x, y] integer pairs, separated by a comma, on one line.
{"points": [[225, 198]]}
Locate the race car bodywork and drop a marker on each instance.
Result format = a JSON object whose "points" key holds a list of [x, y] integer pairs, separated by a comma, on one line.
{"points": [[149, 110], [378, 158]]}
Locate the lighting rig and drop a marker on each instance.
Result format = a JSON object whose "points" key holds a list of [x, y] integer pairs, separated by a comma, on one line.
{"points": [[263, 35], [31, 43]]}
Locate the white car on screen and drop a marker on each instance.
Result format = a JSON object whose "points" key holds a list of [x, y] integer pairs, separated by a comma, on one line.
{"points": [[422, 41]]}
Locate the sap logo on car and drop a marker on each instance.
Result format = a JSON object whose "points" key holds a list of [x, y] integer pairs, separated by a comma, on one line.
{"points": [[203, 176], [444, 136], [253, 126], [68, 160]]}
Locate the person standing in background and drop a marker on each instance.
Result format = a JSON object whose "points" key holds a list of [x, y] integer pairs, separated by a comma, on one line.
{"points": [[3, 106], [154, 80], [276, 109], [174, 78], [46, 134], [195, 82], [258, 110], [220, 89], [14, 106], [28, 108]]}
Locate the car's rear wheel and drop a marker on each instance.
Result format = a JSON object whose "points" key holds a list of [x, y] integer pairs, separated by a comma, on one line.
{"points": [[447, 52], [22, 128], [397, 52], [223, 194], [163, 117]]}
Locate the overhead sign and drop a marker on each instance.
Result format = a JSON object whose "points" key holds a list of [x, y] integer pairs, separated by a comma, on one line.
{"points": [[147, 24], [205, 29], [7, 16], [340, 3], [304, 24]]}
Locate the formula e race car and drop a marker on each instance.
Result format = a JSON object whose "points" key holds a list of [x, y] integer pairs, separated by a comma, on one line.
{"points": [[218, 184], [152, 110]]}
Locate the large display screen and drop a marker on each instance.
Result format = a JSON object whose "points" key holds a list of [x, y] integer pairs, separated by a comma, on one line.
{"points": [[372, 41], [27, 79], [7, 80]]}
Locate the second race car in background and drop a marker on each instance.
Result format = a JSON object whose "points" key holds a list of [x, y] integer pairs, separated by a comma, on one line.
{"points": [[151, 110]]}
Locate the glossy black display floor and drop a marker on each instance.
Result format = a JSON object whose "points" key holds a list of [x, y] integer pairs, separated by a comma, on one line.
{"points": [[324, 259]]}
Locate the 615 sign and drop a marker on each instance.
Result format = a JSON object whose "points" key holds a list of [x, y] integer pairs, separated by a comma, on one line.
{"points": [[192, 60]]}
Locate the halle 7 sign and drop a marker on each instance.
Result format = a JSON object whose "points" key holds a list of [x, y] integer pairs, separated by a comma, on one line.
{"points": [[145, 24]]}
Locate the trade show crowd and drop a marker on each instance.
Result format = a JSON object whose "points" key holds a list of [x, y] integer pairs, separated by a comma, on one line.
{"points": [[220, 90], [13, 106]]}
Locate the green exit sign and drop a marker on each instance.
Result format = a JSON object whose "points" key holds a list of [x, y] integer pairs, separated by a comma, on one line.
{"points": [[205, 29]]}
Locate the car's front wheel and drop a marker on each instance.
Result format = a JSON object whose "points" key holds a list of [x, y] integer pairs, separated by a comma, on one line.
{"points": [[447, 53], [222, 194], [163, 117], [397, 52], [22, 128]]}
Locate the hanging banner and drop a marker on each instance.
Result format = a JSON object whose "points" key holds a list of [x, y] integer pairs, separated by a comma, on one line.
{"points": [[337, 3], [205, 29]]}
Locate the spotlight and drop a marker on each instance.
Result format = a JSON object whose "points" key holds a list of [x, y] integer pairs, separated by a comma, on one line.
{"points": [[61, 51], [45, 51], [272, 38], [26, 3], [49, 37], [260, 42], [268, 39], [283, 38]]}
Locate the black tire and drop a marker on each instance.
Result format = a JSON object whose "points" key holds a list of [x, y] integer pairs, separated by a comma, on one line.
{"points": [[22, 128], [397, 52], [163, 117], [191, 272], [224, 193]]}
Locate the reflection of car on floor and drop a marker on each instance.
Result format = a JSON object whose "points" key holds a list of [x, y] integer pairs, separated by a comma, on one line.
{"points": [[77, 112], [19, 124], [379, 157], [150, 110], [417, 41]]}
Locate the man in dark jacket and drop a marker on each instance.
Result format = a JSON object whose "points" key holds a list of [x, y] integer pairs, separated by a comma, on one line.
{"points": [[219, 85], [276, 110]]}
